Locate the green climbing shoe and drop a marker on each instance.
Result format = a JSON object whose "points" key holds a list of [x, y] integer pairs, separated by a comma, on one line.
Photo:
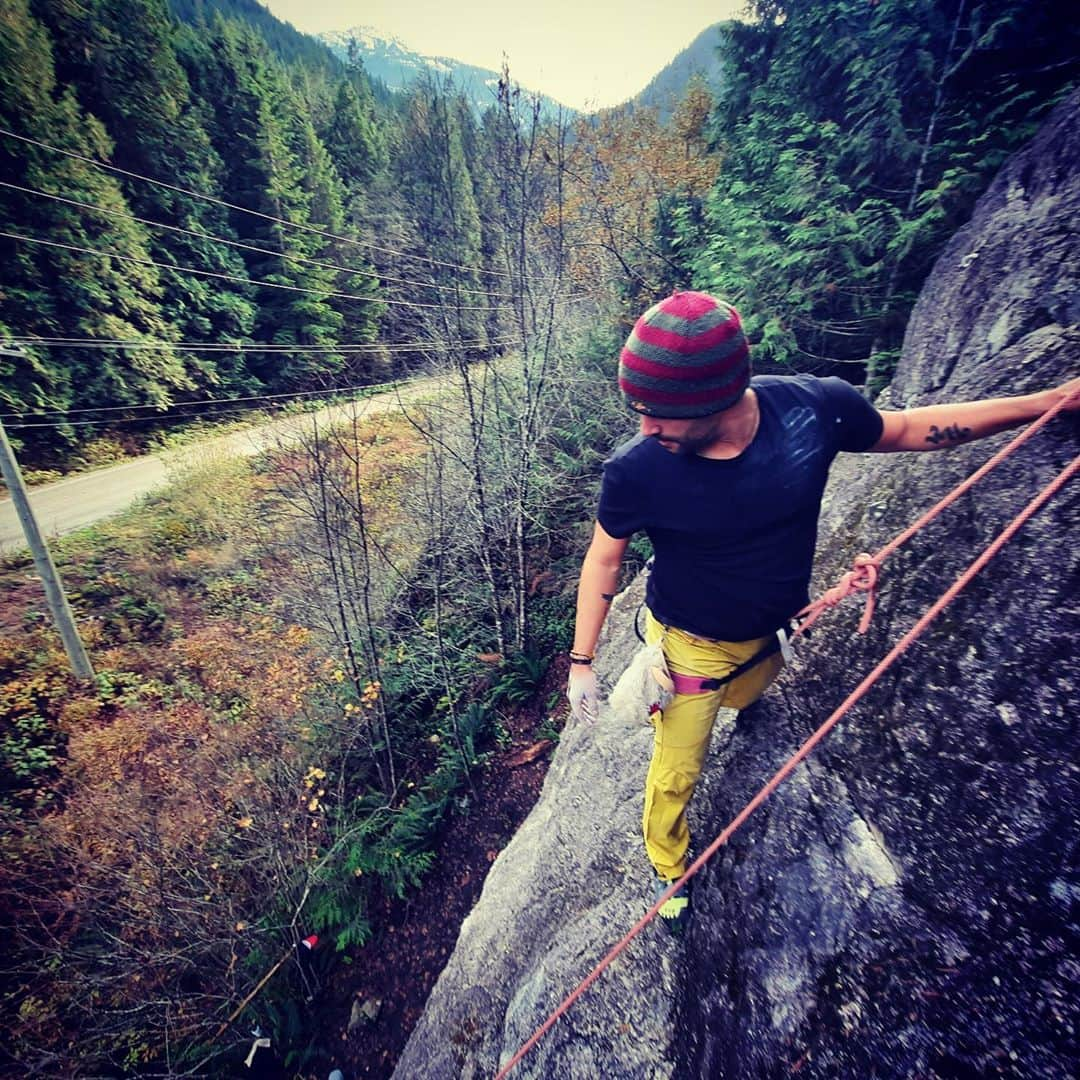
{"points": [[675, 911]]}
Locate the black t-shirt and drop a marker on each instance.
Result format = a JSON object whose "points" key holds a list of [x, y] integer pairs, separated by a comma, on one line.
{"points": [[734, 540]]}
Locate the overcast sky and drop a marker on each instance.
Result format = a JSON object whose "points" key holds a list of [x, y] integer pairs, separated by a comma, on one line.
{"points": [[581, 52]]}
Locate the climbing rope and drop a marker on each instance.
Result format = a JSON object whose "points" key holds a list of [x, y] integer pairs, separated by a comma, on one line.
{"points": [[862, 578]]}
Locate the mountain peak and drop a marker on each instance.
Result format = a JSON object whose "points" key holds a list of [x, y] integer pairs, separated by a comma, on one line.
{"points": [[394, 63], [368, 38]]}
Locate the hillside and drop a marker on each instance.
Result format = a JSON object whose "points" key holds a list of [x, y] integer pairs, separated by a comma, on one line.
{"points": [[312, 663], [282, 37], [699, 58]]}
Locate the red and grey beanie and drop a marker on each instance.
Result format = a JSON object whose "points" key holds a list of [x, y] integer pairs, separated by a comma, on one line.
{"points": [[686, 356]]}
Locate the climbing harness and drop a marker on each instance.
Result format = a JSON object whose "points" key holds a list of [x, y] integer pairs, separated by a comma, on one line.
{"points": [[861, 578], [779, 642]]}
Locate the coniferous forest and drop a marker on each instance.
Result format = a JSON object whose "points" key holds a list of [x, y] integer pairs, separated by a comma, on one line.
{"points": [[306, 661]]}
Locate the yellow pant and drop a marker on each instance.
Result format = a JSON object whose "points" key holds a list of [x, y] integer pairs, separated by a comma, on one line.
{"points": [[683, 731]]}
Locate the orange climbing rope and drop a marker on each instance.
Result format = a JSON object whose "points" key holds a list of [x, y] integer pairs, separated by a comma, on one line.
{"points": [[863, 578]]}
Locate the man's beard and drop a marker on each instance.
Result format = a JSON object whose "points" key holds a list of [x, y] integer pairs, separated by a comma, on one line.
{"points": [[687, 445]]}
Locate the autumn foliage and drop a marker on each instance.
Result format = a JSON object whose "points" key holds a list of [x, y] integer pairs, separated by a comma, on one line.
{"points": [[624, 169], [181, 818], [169, 831]]}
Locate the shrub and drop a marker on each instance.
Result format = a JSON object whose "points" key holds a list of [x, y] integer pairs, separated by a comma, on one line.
{"points": [[40, 477], [33, 692], [125, 607], [519, 678], [181, 825], [103, 450]]}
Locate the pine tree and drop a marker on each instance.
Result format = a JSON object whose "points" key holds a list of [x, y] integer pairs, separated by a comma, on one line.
{"points": [[353, 138], [277, 166], [854, 138], [437, 184], [120, 55], [105, 292]]}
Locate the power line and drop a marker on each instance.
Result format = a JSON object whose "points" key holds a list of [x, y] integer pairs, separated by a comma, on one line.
{"points": [[249, 247], [239, 346], [129, 420], [235, 278], [193, 402], [246, 210], [311, 394], [830, 360]]}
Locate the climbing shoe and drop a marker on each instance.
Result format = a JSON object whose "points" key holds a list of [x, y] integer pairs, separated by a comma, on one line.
{"points": [[675, 911]]}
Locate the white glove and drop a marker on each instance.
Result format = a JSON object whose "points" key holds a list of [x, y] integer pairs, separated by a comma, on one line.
{"points": [[582, 694]]}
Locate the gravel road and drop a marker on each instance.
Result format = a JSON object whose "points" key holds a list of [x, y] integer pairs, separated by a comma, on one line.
{"points": [[77, 501]]}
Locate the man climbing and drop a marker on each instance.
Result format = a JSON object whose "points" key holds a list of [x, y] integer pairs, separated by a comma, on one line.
{"points": [[726, 479]]}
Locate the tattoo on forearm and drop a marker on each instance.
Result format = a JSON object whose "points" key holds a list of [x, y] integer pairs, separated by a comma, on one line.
{"points": [[953, 433]]}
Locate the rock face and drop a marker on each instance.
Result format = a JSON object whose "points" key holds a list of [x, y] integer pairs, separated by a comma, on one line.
{"points": [[907, 904]]}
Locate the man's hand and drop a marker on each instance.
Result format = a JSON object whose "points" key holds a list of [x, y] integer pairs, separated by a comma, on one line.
{"points": [[582, 694], [1070, 391]]}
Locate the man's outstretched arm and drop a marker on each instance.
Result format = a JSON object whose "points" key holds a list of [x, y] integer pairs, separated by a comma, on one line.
{"points": [[936, 427]]}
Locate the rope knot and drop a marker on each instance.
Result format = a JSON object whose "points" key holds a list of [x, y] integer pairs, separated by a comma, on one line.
{"points": [[861, 578], [864, 573]]}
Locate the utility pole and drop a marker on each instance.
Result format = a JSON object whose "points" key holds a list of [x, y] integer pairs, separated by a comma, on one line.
{"points": [[46, 568]]}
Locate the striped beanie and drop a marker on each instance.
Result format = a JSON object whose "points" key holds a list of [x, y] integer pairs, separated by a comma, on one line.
{"points": [[686, 356]]}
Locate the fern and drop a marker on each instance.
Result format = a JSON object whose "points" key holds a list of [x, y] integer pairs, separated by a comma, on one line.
{"points": [[519, 678]]}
